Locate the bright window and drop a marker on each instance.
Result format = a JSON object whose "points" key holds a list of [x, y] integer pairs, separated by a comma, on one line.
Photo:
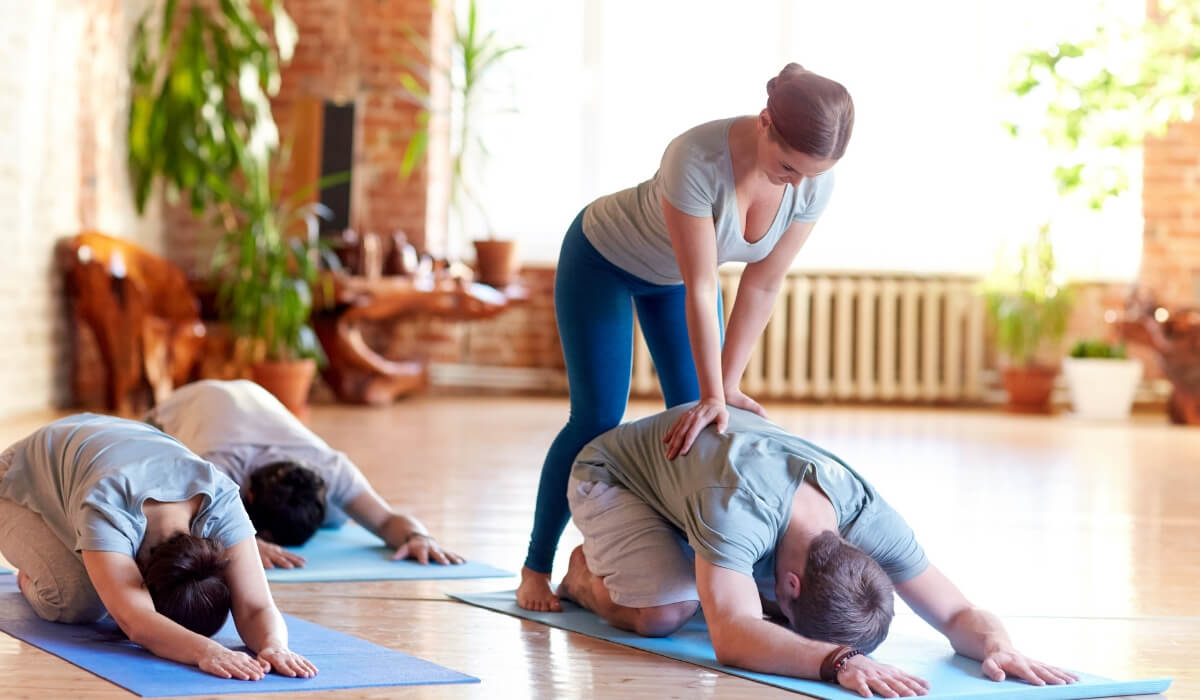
{"points": [[931, 181]]}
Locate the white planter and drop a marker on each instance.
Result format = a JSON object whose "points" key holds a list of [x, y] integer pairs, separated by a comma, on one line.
{"points": [[1102, 389]]}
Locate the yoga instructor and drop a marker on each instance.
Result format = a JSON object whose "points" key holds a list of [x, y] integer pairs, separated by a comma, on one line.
{"points": [[747, 189]]}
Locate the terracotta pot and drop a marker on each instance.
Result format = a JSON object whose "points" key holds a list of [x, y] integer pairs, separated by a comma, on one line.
{"points": [[495, 262], [1029, 388], [288, 381]]}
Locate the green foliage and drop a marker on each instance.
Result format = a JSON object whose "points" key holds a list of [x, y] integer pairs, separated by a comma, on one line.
{"points": [[473, 55], [1098, 349], [1104, 93], [266, 275], [1028, 306], [197, 83], [200, 118]]}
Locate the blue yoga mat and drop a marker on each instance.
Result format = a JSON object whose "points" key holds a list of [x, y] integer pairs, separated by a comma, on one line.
{"points": [[342, 661], [948, 674], [351, 553]]}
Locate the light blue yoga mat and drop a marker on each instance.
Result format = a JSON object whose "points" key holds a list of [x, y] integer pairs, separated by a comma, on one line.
{"points": [[351, 553], [342, 661], [950, 676]]}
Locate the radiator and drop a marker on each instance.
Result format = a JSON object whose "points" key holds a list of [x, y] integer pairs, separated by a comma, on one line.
{"points": [[860, 337]]}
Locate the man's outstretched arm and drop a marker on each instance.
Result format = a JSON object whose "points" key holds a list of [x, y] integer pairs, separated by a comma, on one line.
{"points": [[973, 632], [742, 638], [402, 532]]}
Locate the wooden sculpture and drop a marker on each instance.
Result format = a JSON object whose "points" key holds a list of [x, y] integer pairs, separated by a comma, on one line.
{"points": [[359, 374], [1175, 337], [144, 320]]}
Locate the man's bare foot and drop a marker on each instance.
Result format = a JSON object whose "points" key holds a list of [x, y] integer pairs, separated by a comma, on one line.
{"points": [[535, 592], [26, 585], [577, 576]]}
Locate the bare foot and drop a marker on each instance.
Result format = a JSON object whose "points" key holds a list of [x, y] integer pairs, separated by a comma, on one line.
{"points": [[577, 576], [535, 592], [25, 584]]}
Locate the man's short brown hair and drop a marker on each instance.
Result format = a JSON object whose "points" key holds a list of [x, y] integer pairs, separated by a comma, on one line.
{"points": [[845, 596]]}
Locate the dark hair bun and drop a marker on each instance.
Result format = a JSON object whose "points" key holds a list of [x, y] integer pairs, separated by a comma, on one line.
{"points": [[185, 576], [788, 70]]}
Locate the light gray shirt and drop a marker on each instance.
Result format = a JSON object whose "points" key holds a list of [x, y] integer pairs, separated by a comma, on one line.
{"points": [[240, 426], [89, 475], [731, 494], [696, 177]]}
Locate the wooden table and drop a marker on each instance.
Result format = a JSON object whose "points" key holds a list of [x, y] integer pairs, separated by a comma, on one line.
{"points": [[360, 374]]}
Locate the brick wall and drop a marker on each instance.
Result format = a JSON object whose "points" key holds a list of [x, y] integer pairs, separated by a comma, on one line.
{"points": [[348, 51], [1171, 206], [63, 97]]}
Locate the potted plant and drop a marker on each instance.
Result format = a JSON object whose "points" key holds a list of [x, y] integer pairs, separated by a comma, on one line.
{"points": [[200, 120], [473, 54], [266, 265], [1102, 379], [1028, 307]]}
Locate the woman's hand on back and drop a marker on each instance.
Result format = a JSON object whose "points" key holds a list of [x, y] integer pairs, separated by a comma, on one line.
{"points": [[710, 411], [735, 398]]}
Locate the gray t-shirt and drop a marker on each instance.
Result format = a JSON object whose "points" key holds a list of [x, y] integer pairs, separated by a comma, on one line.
{"points": [[88, 475], [240, 426], [696, 177], [731, 494]]}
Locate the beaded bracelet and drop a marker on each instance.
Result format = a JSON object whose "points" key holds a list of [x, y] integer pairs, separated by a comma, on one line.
{"points": [[835, 662]]}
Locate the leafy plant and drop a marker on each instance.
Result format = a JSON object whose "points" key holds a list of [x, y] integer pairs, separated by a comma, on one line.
{"points": [[473, 55], [266, 274], [1096, 108], [1028, 306], [1098, 350], [197, 83]]}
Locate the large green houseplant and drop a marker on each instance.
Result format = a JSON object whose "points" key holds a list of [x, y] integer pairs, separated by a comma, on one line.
{"points": [[1100, 95], [1028, 306], [200, 120], [473, 55], [267, 265]]}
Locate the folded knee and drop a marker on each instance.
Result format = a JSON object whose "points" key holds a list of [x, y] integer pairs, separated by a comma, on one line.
{"points": [[663, 620], [74, 605]]}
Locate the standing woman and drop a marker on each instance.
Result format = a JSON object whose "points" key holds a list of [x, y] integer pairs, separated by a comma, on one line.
{"points": [[108, 516], [746, 189]]}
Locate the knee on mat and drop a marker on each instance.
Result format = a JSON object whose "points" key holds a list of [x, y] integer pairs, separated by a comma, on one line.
{"points": [[662, 620], [75, 605]]}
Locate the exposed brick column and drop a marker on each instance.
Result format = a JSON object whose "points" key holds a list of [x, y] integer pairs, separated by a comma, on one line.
{"points": [[356, 50], [1171, 207]]}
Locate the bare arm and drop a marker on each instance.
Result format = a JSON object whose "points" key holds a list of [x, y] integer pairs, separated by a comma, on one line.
{"points": [[973, 632], [254, 613], [742, 638], [756, 295], [402, 532], [119, 583], [694, 242]]}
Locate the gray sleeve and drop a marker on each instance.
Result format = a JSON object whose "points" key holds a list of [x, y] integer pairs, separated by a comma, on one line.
{"points": [[343, 483], [687, 181], [228, 522], [726, 527], [815, 198], [96, 531], [886, 538]]}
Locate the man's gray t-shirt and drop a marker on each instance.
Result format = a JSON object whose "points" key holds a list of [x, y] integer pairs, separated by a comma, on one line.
{"points": [[240, 426], [731, 494], [88, 475], [696, 177]]}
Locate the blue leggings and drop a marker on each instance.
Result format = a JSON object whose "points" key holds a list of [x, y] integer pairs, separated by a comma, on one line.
{"points": [[595, 324]]}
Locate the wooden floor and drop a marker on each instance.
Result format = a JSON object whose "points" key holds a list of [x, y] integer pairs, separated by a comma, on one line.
{"points": [[1084, 537]]}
